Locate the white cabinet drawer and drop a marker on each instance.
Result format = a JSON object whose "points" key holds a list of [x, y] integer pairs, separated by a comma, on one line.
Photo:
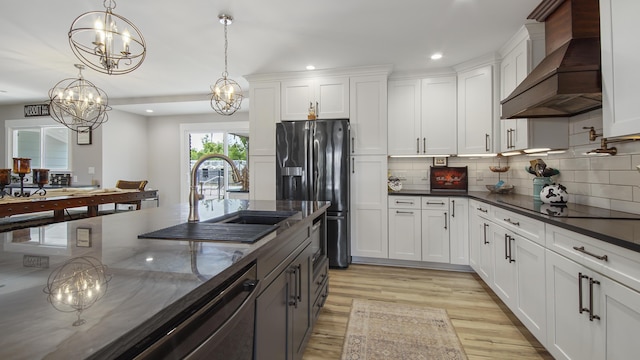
{"points": [[610, 260], [520, 224], [404, 202], [479, 208], [435, 203]]}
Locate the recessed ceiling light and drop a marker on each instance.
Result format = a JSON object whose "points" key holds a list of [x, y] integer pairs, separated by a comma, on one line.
{"points": [[311, 67], [436, 56], [149, 110]]}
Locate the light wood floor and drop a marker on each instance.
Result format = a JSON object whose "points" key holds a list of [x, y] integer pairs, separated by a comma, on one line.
{"points": [[485, 326]]}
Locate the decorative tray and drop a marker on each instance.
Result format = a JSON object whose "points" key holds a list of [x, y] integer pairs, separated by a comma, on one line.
{"points": [[504, 189], [499, 169]]}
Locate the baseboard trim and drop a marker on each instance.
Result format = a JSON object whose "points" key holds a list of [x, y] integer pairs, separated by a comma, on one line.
{"points": [[413, 264]]}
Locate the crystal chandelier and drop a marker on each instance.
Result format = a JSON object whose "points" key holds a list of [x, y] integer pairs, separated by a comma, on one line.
{"points": [[78, 103], [226, 94], [96, 41]]}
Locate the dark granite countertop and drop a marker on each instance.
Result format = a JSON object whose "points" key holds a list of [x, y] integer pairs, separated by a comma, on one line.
{"points": [[150, 280], [615, 227]]}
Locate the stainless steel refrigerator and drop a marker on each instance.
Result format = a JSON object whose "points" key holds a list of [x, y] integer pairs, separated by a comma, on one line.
{"points": [[312, 163]]}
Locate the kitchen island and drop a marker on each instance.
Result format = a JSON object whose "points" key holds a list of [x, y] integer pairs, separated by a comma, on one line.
{"points": [[149, 280]]}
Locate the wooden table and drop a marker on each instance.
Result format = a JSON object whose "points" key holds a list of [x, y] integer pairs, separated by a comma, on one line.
{"points": [[59, 203]]}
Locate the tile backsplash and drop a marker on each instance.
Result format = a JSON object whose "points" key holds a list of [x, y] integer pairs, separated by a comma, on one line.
{"points": [[610, 182]]}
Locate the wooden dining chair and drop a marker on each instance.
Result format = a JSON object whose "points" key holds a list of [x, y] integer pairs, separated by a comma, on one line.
{"points": [[125, 184]]}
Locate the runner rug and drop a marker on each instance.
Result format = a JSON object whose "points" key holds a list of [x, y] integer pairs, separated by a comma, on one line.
{"points": [[384, 330]]}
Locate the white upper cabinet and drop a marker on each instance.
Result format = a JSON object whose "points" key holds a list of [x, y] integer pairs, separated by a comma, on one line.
{"points": [[520, 55], [439, 115], [620, 58], [475, 111], [264, 113], [328, 95], [368, 114], [404, 117], [422, 116]]}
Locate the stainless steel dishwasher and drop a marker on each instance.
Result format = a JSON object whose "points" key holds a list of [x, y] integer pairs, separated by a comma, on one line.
{"points": [[219, 327]]}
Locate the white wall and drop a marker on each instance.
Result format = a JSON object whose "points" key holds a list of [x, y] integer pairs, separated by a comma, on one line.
{"points": [[14, 112], [125, 147], [164, 150]]}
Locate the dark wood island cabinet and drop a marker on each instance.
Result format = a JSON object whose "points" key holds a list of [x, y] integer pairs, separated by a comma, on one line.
{"points": [[285, 308]]}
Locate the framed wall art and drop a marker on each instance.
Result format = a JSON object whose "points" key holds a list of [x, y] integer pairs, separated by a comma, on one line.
{"points": [[440, 161], [84, 135]]}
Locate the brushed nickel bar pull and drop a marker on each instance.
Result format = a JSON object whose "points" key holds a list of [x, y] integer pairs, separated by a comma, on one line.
{"points": [[511, 259], [599, 257], [292, 298], [424, 145], [353, 144], [516, 223], [404, 202], [580, 308], [445, 220], [404, 212], [591, 314], [299, 286], [435, 203], [453, 211], [486, 142], [417, 145], [506, 244], [484, 230], [353, 165], [483, 210]]}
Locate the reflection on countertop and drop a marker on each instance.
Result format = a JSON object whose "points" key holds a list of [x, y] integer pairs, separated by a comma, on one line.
{"points": [[150, 280]]}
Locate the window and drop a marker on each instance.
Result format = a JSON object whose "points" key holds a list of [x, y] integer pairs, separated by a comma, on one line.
{"points": [[47, 146], [216, 180], [215, 174]]}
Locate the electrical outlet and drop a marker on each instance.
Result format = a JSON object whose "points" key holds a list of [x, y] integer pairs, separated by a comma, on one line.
{"points": [[479, 176], [92, 170], [75, 179]]}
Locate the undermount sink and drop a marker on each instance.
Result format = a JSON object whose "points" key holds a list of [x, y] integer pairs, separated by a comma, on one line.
{"points": [[245, 226], [253, 217]]}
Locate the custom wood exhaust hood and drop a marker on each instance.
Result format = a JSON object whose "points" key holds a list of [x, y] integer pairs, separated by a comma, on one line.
{"points": [[568, 80]]}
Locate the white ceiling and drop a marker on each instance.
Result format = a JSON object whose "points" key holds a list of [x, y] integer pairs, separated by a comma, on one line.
{"points": [[185, 42]]}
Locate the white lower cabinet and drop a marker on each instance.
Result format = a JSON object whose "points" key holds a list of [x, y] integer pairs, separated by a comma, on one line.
{"points": [[435, 231], [369, 206], [589, 315], [514, 267], [572, 334], [459, 231], [530, 305], [480, 248], [429, 228], [504, 277], [405, 228]]}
